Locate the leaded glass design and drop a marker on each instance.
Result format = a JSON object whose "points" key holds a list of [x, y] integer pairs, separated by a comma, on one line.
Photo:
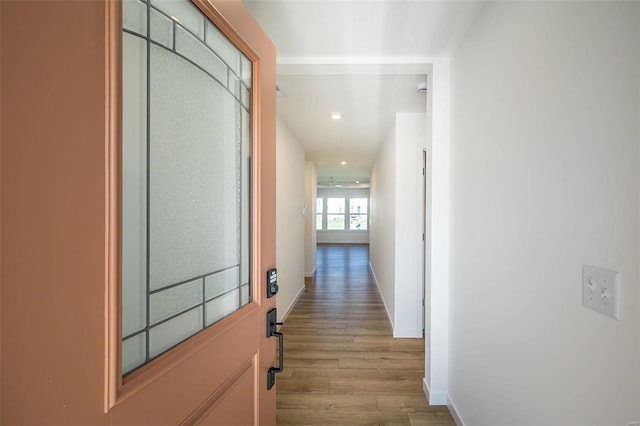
{"points": [[185, 174]]}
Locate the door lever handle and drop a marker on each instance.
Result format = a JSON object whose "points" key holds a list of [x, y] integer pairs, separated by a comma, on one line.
{"points": [[272, 330]]}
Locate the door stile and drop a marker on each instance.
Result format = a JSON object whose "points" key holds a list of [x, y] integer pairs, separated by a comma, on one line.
{"points": [[113, 194]]}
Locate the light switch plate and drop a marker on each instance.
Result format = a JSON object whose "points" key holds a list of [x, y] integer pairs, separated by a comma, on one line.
{"points": [[601, 290]]}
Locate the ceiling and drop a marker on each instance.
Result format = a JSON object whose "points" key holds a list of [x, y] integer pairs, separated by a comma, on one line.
{"points": [[360, 58]]}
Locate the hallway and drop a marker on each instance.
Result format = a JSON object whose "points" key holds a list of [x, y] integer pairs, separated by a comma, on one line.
{"points": [[342, 365]]}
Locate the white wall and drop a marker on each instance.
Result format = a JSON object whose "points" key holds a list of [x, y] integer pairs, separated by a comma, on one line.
{"points": [[436, 379], [310, 237], [410, 141], [290, 223], [396, 229], [382, 255], [545, 178], [343, 237]]}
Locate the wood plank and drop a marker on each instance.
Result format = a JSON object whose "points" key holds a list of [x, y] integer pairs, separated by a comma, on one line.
{"points": [[376, 387], [431, 419], [355, 331], [359, 374], [293, 385], [390, 364], [311, 338], [312, 363], [302, 401], [325, 354], [341, 346], [408, 404], [395, 355], [288, 372], [342, 417]]}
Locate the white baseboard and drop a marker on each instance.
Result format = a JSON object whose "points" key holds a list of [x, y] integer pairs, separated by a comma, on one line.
{"points": [[310, 274], [454, 413], [434, 398], [425, 388], [407, 333], [384, 302], [293, 303]]}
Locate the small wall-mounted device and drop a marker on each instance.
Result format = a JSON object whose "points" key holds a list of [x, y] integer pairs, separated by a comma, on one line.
{"points": [[304, 210], [272, 282]]}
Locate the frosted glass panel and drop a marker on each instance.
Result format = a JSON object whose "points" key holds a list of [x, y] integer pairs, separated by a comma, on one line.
{"points": [[134, 177], [245, 96], [134, 16], [244, 295], [174, 331], [167, 303], [186, 171], [161, 29], [185, 13], [222, 306], [192, 48], [223, 47], [221, 282], [193, 201], [234, 85], [245, 73], [133, 352], [245, 166]]}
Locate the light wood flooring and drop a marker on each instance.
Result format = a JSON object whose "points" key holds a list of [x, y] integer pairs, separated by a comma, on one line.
{"points": [[342, 366]]}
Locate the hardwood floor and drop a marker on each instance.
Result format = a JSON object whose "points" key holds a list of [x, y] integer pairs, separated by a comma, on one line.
{"points": [[342, 366]]}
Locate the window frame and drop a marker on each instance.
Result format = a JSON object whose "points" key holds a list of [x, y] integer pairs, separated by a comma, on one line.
{"points": [[346, 214]]}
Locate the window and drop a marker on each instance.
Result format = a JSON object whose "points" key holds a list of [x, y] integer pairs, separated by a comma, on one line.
{"points": [[319, 211], [335, 214], [342, 214], [358, 214]]}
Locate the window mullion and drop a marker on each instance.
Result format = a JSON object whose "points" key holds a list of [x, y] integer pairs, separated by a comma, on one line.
{"points": [[324, 213], [347, 212]]}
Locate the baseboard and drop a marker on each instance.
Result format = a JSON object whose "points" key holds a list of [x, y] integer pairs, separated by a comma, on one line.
{"points": [[434, 398], [312, 273], [407, 333], [293, 303], [454, 413], [384, 302]]}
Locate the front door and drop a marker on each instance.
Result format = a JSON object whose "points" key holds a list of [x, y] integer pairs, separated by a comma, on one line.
{"points": [[138, 213]]}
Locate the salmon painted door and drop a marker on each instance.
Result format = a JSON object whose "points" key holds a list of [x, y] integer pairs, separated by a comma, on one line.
{"points": [[137, 221]]}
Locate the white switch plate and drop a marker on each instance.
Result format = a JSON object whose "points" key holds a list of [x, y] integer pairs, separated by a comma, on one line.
{"points": [[601, 290]]}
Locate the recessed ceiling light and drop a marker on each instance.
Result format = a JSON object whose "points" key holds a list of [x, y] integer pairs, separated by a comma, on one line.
{"points": [[343, 163], [336, 115], [357, 181]]}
